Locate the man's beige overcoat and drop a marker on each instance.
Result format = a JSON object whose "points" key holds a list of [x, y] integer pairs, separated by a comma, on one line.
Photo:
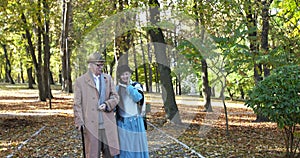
{"points": [[85, 112]]}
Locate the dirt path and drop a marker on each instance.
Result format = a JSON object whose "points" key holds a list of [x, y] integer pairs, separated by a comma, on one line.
{"points": [[23, 105], [200, 134]]}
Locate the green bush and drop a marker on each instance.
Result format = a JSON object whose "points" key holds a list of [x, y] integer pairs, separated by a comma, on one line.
{"points": [[278, 98]]}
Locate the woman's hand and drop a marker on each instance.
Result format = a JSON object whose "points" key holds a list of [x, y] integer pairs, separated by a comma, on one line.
{"points": [[102, 107], [128, 81], [123, 85]]}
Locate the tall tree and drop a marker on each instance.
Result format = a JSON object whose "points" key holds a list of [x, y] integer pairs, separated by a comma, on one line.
{"points": [[251, 15], [206, 89], [8, 77], [159, 43], [30, 78], [252, 25], [46, 44], [36, 62], [264, 34], [65, 46]]}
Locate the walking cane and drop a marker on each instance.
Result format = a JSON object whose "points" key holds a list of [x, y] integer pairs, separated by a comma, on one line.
{"points": [[82, 137]]}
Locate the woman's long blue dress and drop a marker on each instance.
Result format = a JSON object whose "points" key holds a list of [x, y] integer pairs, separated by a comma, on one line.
{"points": [[131, 129]]}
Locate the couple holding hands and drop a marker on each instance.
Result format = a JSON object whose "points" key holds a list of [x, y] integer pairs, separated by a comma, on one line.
{"points": [[111, 116]]}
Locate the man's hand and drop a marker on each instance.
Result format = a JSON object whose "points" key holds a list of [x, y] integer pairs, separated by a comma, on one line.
{"points": [[102, 107], [79, 128]]}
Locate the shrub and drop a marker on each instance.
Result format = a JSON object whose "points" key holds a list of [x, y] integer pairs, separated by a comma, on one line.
{"points": [[278, 98]]}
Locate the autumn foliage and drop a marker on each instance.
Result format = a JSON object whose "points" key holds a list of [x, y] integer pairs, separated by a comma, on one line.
{"points": [[21, 116]]}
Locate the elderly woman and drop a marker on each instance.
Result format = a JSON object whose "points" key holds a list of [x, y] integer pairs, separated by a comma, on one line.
{"points": [[132, 133]]}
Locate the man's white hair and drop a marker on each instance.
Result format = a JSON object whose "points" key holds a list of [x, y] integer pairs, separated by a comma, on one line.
{"points": [[89, 65]]}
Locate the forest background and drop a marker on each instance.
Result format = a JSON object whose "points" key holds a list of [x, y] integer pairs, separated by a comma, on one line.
{"points": [[47, 42], [41, 42]]}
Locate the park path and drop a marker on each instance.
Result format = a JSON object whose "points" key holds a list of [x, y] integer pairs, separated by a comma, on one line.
{"points": [[193, 100], [150, 98], [160, 142]]}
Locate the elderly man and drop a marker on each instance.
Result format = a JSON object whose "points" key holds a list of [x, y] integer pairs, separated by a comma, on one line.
{"points": [[95, 99]]}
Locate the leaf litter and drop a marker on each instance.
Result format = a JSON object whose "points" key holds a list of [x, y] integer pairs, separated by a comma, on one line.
{"points": [[60, 139]]}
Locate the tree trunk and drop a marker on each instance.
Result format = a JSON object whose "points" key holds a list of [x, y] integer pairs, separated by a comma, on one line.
{"points": [[69, 48], [264, 47], [230, 94], [40, 71], [225, 107], [251, 16], [150, 89], [148, 66], [213, 91], [1, 77], [205, 87], [65, 46], [22, 72], [51, 78], [29, 70], [264, 34], [123, 40], [8, 77], [157, 83], [242, 92], [37, 65], [63, 37], [291, 143], [158, 40], [46, 42], [254, 49], [144, 62], [30, 78], [135, 65], [179, 84]]}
